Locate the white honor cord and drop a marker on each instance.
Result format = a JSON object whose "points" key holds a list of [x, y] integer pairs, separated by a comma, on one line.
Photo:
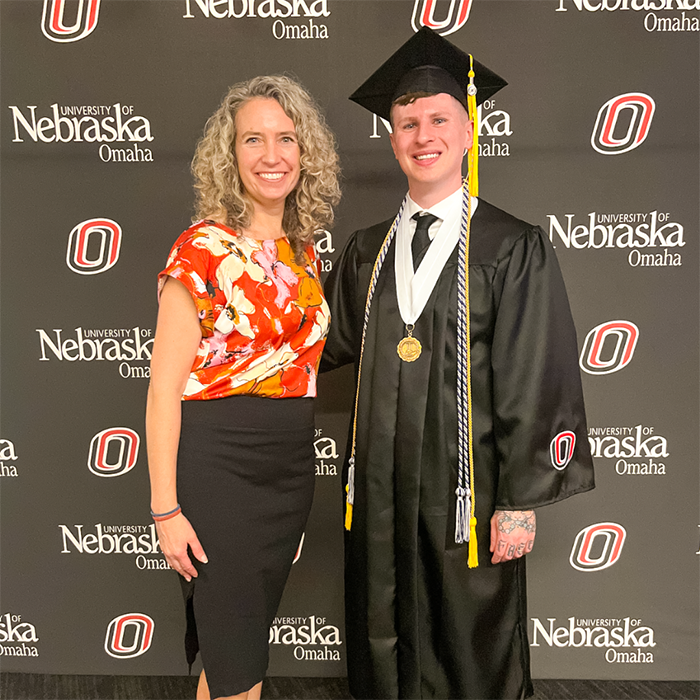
{"points": [[465, 463]]}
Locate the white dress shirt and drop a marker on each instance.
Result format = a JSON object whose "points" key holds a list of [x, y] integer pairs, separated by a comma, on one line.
{"points": [[414, 289]]}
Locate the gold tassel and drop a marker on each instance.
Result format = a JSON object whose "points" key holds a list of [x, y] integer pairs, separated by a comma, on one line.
{"points": [[349, 498], [348, 516], [473, 560], [473, 155]]}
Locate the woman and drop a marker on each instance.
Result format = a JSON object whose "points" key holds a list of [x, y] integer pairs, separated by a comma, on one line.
{"points": [[241, 327]]}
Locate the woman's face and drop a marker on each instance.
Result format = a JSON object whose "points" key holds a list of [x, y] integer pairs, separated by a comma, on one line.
{"points": [[267, 152]]}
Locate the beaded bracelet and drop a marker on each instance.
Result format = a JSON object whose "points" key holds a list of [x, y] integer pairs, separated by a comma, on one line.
{"points": [[158, 517]]}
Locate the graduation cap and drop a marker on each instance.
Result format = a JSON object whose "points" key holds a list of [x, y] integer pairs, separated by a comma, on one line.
{"points": [[429, 63], [426, 63]]}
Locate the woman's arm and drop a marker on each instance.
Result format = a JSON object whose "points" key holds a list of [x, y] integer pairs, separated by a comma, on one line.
{"points": [[177, 338]]}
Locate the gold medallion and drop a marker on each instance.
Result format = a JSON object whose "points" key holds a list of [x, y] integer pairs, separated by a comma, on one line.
{"points": [[409, 349]]}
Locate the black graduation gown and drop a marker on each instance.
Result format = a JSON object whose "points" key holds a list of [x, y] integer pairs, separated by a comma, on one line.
{"points": [[419, 622]]}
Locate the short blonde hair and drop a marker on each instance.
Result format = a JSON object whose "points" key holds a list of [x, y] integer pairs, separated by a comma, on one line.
{"points": [[218, 187]]}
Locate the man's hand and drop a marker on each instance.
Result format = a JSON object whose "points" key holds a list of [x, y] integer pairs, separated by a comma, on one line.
{"points": [[512, 534]]}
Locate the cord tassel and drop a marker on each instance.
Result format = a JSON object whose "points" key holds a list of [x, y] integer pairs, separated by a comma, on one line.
{"points": [[348, 516], [350, 498], [473, 560], [462, 516]]}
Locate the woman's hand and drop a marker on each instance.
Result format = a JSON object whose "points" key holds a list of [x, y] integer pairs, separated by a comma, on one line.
{"points": [[175, 535]]}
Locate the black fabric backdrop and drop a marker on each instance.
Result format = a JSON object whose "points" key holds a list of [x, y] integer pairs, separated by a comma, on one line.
{"points": [[595, 139]]}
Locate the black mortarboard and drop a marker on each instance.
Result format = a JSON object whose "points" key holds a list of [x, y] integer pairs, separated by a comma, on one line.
{"points": [[425, 63]]}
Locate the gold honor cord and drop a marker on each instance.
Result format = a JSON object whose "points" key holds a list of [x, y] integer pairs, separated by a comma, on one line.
{"points": [[465, 487], [350, 488]]}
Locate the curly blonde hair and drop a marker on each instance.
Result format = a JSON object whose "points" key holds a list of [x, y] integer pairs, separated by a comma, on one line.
{"points": [[219, 190]]}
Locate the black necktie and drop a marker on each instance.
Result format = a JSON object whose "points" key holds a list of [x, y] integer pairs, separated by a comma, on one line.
{"points": [[421, 239]]}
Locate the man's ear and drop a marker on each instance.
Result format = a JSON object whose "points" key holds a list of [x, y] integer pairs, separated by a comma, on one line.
{"points": [[469, 137]]}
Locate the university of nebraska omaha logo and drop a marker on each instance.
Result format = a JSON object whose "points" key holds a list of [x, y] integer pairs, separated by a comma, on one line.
{"points": [[623, 123], [93, 246], [424, 12], [609, 347], [69, 20], [561, 449], [129, 635], [113, 452], [597, 546]]}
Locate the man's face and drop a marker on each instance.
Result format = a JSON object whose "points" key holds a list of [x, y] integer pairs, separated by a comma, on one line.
{"points": [[429, 137]]}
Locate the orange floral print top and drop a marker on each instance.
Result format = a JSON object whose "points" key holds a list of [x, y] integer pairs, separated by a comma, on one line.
{"points": [[264, 318]]}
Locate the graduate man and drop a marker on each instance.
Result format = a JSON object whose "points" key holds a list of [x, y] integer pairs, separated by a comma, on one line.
{"points": [[468, 412]]}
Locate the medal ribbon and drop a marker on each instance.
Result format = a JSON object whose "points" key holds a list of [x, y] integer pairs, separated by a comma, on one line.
{"points": [[414, 290]]}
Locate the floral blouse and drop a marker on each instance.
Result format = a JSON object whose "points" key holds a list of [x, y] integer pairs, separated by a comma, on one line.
{"points": [[263, 318]]}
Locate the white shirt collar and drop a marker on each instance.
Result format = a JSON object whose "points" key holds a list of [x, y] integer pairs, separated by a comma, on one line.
{"points": [[446, 210]]}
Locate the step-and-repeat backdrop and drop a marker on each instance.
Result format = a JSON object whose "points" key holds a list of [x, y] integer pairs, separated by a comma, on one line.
{"points": [[595, 139]]}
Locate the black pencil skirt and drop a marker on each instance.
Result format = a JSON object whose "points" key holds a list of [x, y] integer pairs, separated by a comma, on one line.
{"points": [[245, 480]]}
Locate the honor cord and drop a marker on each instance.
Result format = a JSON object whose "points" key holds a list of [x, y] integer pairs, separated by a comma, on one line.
{"points": [[350, 488], [465, 519]]}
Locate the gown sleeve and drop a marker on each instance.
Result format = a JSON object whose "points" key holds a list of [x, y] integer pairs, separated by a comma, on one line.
{"points": [[341, 291], [539, 418]]}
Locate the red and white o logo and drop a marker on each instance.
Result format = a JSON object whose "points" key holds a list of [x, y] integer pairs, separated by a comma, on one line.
{"points": [[113, 451], [561, 449], [93, 246], [129, 635], [69, 20], [597, 546], [623, 123], [609, 347], [424, 15]]}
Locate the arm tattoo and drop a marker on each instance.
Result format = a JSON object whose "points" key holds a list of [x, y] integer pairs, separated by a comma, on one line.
{"points": [[509, 520]]}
